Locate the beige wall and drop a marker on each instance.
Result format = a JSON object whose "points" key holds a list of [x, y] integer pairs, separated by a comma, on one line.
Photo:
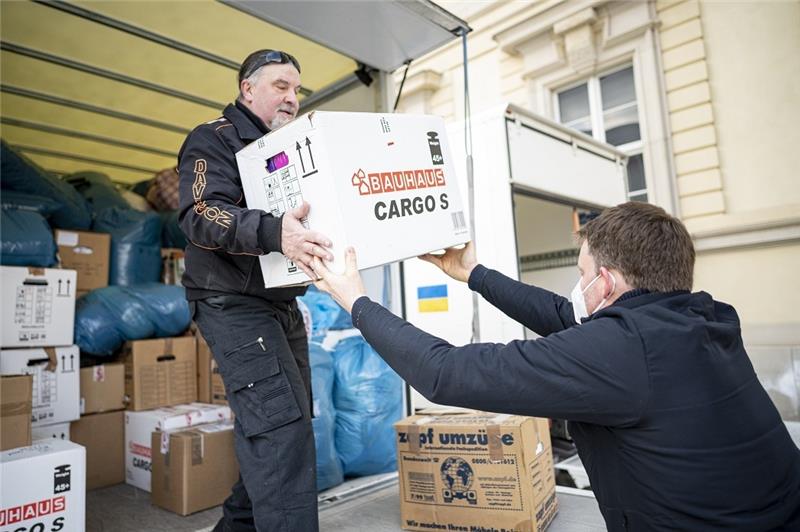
{"points": [[754, 63], [762, 283]]}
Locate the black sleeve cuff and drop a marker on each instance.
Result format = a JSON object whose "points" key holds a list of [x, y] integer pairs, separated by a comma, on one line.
{"points": [[269, 233], [477, 276], [358, 308]]}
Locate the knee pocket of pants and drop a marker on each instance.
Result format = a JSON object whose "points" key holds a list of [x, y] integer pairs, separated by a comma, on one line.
{"points": [[261, 390]]}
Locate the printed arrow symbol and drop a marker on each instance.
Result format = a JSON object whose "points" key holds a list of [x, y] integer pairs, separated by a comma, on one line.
{"points": [[308, 145], [300, 153]]}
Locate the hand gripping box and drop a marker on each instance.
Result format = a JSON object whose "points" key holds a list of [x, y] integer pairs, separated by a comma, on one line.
{"points": [[475, 471], [382, 183], [55, 372], [38, 306], [139, 427], [43, 487]]}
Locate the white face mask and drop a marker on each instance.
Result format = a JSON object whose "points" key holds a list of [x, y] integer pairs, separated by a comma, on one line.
{"points": [[579, 302]]}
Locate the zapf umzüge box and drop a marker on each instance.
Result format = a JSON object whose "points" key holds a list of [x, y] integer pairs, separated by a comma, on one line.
{"points": [[43, 487], [382, 183], [475, 471]]}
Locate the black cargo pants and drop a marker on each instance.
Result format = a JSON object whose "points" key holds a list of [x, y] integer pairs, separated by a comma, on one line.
{"points": [[261, 349]]}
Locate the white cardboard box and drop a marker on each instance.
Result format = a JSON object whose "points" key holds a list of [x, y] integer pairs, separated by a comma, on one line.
{"points": [[139, 427], [38, 306], [43, 487], [57, 431], [56, 381], [382, 183]]}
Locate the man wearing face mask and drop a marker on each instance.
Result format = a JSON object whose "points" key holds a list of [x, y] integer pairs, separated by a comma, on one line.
{"points": [[256, 335], [670, 421]]}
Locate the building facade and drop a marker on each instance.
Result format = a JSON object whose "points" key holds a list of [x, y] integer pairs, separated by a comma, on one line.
{"points": [[703, 96]]}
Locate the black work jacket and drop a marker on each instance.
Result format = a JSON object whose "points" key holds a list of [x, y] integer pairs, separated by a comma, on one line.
{"points": [[225, 237], [671, 423]]}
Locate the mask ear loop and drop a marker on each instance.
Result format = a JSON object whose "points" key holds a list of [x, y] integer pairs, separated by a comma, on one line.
{"points": [[613, 288]]}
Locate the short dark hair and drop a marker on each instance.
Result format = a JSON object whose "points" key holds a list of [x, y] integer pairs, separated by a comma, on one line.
{"points": [[260, 58], [651, 248]]}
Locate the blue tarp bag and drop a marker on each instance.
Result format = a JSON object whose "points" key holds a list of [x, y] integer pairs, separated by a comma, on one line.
{"points": [[135, 245], [20, 200], [368, 399], [27, 239], [325, 312], [22, 175], [329, 469], [98, 190], [171, 235], [107, 317]]}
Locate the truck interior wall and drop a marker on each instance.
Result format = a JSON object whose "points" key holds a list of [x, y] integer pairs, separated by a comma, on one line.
{"points": [[544, 227]]}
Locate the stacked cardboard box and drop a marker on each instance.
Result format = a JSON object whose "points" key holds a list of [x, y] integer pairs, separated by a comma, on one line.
{"points": [[210, 388], [193, 468], [101, 426], [139, 428], [475, 471], [53, 493], [16, 393], [160, 372], [88, 254], [55, 381]]}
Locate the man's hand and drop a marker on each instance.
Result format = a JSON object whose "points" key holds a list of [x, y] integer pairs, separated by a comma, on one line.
{"points": [[458, 263], [301, 245], [345, 288]]}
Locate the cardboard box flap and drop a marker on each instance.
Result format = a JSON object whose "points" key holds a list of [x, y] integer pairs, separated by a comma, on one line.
{"points": [[15, 395]]}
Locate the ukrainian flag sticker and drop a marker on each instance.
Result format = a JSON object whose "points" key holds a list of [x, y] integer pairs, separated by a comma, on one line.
{"points": [[432, 298]]}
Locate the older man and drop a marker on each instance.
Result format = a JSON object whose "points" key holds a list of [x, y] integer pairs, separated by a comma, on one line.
{"points": [[256, 334], [674, 428]]}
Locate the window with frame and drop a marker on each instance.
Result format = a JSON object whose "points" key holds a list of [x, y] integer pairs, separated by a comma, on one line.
{"points": [[605, 107]]}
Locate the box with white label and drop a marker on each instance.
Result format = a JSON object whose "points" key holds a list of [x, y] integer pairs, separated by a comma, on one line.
{"points": [[139, 427], [382, 183], [56, 381], [43, 487], [38, 306]]}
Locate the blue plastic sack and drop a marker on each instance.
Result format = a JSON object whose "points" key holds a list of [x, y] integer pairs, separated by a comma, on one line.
{"points": [[135, 245], [368, 399], [27, 239], [97, 189], [107, 317], [329, 469], [20, 174], [171, 234], [21, 200], [325, 312]]}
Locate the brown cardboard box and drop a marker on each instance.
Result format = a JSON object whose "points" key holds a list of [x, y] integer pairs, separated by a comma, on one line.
{"points": [[88, 253], [204, 361], [103, 435], [172, 265], [16, 401], [193, 469], [218, 396], [160, 372], [210, 388], [102, 388], [475, 471]]}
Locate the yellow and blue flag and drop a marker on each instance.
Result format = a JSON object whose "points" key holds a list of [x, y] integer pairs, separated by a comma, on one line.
{"points": [[432, 298]]}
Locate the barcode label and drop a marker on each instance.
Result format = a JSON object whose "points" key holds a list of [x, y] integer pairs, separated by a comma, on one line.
{"points": [[458, 221]]}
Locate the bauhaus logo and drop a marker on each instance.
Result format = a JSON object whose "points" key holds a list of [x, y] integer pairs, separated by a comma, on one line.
{"points": [[398, 180]]}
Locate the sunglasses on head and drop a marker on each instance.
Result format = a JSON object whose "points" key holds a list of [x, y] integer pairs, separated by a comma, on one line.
{"points": [[267, 58]]}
